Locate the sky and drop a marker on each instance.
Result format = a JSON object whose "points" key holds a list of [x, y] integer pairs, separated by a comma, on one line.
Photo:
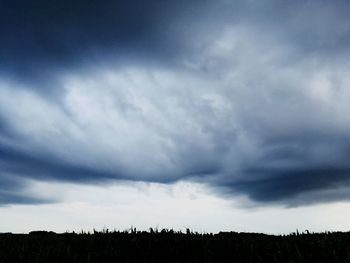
{"points": [[213, 115]]}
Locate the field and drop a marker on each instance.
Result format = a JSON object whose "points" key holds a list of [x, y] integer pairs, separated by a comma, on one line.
{"points": [[170, 246]]}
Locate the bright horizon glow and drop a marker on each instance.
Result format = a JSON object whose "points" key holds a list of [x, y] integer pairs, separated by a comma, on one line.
{"points": [[179, 206]]}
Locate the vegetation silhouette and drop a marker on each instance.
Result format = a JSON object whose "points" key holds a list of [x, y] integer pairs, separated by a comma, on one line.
{"points": [[174, 246]]}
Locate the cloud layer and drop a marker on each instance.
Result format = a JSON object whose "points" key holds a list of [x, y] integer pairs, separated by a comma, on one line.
{"points": [[248, 98]]}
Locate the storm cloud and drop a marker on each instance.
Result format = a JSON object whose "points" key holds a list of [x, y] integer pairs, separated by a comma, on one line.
{"points": [[249, 97]]}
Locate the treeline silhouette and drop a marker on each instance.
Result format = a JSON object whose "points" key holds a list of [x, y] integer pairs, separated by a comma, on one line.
{"points": [[171, 246]]}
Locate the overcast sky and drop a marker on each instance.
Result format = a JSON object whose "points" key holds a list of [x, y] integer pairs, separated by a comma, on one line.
{"points": [[212, 114]]}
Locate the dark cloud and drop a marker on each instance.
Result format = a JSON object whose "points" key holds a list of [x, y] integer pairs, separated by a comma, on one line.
{"points": [[282, 185], [297, 169], [4, 129], [256, 103], [12, 191], [39, 37], [10, 198], [43, 166]]}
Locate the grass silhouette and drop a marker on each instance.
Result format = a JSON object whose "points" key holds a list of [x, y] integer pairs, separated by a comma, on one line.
{"points": [[174, 246]]}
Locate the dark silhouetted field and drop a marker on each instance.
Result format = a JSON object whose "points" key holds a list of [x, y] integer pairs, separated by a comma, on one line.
{"points": [[170, 246]]}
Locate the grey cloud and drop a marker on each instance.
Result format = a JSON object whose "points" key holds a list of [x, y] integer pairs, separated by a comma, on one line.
{"points": [[45, 167], [12, 191], [279, 185], [42, 37], [256, 104], [4, 130], [10, 198]]}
